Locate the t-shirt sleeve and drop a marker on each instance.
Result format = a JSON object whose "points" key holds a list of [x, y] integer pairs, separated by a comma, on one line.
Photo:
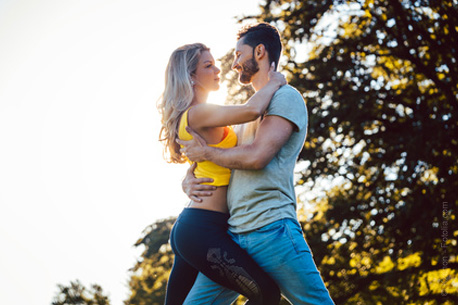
{"points": [[289, 104]]}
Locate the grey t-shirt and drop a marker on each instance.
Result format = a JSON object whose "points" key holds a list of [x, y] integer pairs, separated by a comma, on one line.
{"points": [[257, 198]]}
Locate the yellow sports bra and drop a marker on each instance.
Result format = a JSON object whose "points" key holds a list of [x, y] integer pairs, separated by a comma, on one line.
{"points": [[207, 169]]}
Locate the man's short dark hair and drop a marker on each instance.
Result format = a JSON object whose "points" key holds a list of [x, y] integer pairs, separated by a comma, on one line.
{"points": [[266, 34]]}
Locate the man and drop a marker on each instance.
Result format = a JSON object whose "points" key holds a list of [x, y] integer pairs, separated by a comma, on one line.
{"points": [[261, 196]]}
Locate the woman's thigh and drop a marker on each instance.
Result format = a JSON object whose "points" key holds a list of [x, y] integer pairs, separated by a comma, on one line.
{"points": [[181, 280], [219, 258]]}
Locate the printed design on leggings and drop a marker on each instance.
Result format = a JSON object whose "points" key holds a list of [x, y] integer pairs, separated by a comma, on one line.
{"points": [[236, 274]]}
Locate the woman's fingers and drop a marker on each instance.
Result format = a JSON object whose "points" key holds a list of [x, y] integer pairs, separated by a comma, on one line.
{"points": [[272, 67]]}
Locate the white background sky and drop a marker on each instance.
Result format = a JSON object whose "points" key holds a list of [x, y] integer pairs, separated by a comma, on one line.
{"points": [[81, 171]]}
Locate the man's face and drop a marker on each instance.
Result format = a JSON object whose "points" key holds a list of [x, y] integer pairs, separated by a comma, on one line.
{"points": [[244, 62]]}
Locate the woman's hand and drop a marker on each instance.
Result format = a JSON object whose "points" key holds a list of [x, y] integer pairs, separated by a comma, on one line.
{"points": [[193, 186], [276, 77]]}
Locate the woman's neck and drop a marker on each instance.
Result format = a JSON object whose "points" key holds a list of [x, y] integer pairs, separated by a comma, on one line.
{"points": [[200, 97]]}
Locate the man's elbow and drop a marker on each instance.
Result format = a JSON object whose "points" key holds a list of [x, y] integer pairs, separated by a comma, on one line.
{"points": [[258, 165], [258, 161]]}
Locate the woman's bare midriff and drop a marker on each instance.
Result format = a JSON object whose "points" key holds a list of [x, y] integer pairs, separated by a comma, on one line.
{"points": [[216, 202]]}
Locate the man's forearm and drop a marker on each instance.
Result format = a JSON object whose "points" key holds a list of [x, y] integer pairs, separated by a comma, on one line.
{"points": [[239, 157], [272, 134]]}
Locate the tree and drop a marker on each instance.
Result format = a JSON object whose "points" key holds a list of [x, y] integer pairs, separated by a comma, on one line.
{"points": [[77, 294], [379, 167], [150, 274], [378, 173]]}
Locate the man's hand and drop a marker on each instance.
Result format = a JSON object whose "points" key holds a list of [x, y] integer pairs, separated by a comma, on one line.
{"points": [[193, 149], [193, 188]]}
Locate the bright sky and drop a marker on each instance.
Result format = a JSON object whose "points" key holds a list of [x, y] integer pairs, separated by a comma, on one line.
{"points": [[81, 171]]}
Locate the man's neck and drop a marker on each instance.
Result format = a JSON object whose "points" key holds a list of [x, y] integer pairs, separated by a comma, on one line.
{"points": [[260, 79]]}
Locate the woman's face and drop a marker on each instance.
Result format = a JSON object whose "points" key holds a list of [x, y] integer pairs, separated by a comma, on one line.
{"points": [[206, 75]]}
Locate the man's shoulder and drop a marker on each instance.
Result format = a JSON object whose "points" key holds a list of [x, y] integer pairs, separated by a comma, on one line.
{"points": [[288, 95], [288, 91], [289, 104]]}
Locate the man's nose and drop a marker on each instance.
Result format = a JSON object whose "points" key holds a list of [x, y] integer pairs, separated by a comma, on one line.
{"points": [[235, 65]]}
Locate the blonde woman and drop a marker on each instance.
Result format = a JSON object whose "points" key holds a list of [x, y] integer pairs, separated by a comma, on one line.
{"points": [[199, 237]]}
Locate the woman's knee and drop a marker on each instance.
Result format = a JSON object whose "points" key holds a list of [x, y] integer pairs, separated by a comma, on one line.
{"points": [[268, 294], [272, 296]]}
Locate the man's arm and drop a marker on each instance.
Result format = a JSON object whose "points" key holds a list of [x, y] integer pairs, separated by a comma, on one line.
{"points": [[193, 186], [273, 132]]}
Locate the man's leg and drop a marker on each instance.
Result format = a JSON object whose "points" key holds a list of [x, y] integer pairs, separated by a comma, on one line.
{"points": [[205, 291], [209, 248], [280, 249]]}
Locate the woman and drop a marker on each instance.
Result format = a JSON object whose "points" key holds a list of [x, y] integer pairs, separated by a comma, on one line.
{"points": [[199, 237]]}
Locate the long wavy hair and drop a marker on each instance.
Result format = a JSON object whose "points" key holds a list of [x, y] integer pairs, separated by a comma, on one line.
{"points": [[177, 96]]}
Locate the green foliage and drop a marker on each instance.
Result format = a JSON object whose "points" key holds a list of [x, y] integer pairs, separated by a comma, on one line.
{"points": [[77, 294], [150, 274], [380, 168]]}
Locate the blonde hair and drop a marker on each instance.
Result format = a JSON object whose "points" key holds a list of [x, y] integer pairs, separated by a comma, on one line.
{"points": [[177, 96]]}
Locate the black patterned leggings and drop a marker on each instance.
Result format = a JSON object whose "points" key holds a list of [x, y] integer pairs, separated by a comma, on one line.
{"points": [[200, 242]]}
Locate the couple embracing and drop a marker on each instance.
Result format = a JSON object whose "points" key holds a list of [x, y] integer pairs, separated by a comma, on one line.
{"points": [[239, 234]]}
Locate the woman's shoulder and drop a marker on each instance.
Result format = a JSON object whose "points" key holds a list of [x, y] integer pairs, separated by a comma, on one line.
{"points": [[197, 114], [183, 123]]}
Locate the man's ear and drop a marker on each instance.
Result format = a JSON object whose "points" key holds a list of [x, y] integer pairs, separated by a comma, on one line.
{"points": [[260, 51]]}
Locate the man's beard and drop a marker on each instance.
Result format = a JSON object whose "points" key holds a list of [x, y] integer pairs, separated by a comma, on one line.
{"points": [[249, 68]]}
